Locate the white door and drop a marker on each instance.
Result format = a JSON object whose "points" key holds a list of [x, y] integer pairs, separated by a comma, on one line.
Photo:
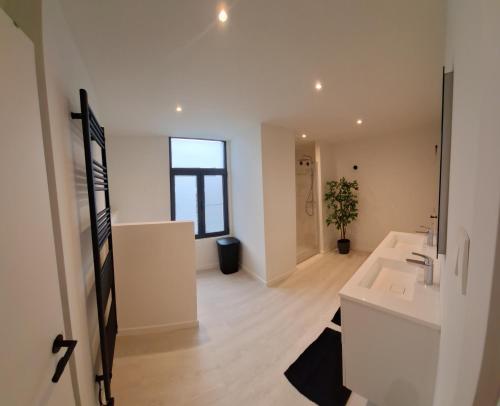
{"points": [[30, 299]]}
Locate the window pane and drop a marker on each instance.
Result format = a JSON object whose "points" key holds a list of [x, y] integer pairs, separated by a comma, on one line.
{"points": [[186, 202], [214, 204], [187, 153]]}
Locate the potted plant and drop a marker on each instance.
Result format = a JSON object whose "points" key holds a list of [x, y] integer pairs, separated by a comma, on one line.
{"points": [[343, 205]]}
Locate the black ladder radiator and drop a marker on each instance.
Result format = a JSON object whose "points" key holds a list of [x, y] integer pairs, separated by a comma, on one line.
{"points": [[102, 241]]}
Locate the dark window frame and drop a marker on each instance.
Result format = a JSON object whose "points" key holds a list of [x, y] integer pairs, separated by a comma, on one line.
{"points": [[200, 174]]}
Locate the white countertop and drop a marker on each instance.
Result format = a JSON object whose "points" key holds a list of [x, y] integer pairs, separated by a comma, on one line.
{"points": [[424, 305]]}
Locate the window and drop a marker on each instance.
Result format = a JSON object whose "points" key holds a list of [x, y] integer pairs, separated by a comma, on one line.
{"points": [[198, 185]]}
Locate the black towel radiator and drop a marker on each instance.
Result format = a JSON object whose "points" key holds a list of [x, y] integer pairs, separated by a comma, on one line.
{"points": [[100, 224]]}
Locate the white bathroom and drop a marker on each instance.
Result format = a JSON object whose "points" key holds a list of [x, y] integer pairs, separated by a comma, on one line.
{"points": [[250, 203]]}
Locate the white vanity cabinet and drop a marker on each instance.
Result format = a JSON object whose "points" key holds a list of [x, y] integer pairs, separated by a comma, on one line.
{"points": [[391, 326]]}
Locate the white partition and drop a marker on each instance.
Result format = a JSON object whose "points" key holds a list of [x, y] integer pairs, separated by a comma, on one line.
{"points": [[155, 276]]}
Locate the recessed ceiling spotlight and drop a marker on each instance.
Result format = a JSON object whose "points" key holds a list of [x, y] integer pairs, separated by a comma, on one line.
{"points": [[318, 85], [178, 109], [222, 16], [304, 135], [359, 121]]}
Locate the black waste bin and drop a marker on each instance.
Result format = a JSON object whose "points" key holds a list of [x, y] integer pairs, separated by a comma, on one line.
{"points": [[229, 254]]}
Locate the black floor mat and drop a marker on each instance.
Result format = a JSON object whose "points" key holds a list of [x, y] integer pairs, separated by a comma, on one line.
{"points": [[317, 373], [337, 319]]}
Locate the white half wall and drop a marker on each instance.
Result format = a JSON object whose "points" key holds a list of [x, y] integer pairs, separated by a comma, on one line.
{"points": [[155, 276], [397, 183], [469, 370], [278, 177]]}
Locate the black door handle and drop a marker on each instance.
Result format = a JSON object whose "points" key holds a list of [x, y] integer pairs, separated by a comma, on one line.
{"points": [[59, 343]]}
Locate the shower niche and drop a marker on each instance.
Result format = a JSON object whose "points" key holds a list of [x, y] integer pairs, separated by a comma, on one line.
{"points": [[306, 200]]}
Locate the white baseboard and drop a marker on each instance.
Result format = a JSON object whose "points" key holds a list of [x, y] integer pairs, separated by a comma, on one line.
{"points": [[280, 278], [253, 274], [268, 283], [163, 328], [309, 261]]}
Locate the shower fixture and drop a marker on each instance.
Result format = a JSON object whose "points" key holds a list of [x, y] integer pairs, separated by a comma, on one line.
{"points": [[306, 162]]}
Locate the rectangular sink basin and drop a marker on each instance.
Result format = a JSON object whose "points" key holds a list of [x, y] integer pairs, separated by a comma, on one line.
{"points": [[406, 241], [392, 277]]}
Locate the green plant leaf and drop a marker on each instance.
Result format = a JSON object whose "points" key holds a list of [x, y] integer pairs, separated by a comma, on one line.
{"points": [[342, 203]]}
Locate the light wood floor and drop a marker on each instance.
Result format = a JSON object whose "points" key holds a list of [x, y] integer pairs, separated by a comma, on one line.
{"points": [[248, 336]]}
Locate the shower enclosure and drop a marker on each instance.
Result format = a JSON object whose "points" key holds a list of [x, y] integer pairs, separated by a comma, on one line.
{"points": [[306, 200]]}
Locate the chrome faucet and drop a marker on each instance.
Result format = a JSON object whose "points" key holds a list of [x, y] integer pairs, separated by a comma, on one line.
{"points": [[427, 264], [430, 235]]}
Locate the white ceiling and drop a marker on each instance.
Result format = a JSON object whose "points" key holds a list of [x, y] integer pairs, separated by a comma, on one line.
{"points": [[378, 59]]}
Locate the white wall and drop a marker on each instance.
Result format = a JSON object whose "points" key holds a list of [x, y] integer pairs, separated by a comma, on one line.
{"points": [[473, 30], [278, 177], [139, 172], [65, 75], [327, 170], [155, 276], [206, 254], [247, 200], [60, 74], [397, 183], [139, 175], [30, 299]]}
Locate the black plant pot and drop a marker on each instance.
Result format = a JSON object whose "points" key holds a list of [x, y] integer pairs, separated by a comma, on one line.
{"points": [[344, 245]]}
